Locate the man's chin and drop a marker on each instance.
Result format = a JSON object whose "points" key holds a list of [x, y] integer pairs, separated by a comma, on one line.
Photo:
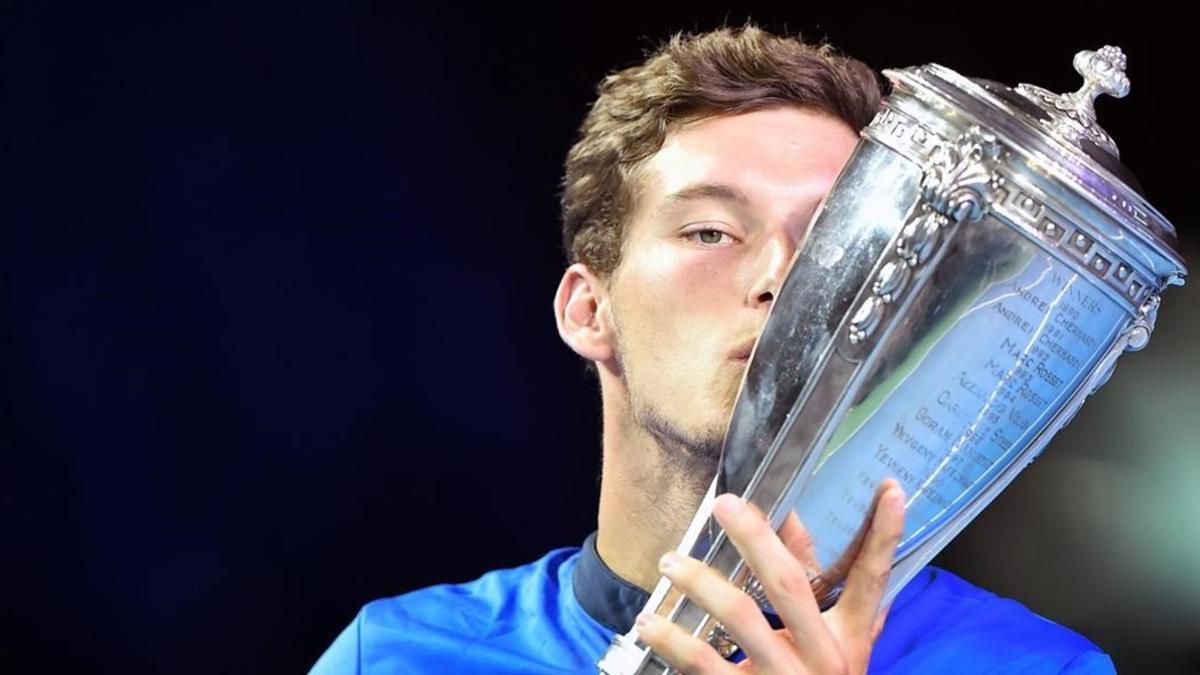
{"points": [[694, 445], [705, 444]]}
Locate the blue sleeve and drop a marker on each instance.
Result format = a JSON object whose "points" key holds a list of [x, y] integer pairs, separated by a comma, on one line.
{"points": [[343, 656], [1090, 663]]}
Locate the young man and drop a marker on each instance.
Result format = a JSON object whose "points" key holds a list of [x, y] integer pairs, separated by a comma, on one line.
{"points": [[690, 186]]}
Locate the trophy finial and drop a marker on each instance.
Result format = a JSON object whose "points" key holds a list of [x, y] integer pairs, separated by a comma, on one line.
{"points": [[1103, 72], [1073, 116]]}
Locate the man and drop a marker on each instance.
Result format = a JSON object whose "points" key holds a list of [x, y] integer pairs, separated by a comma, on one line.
{"points": [[684, 199]]}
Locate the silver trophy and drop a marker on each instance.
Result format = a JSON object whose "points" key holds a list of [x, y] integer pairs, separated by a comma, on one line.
{"points": [[979, 266]]}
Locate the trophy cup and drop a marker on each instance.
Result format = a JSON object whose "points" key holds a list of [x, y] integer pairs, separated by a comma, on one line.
{"points": [[975, 272]]}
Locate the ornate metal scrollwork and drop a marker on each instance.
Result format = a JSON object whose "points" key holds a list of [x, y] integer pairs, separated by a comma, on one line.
{"points": [[957, 185]]}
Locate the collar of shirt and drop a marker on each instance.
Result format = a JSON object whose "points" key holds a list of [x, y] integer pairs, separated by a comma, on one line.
{"points": [[606, 597]]}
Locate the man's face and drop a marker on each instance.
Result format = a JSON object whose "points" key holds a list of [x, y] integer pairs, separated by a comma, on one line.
{"points": [[720, 210]]}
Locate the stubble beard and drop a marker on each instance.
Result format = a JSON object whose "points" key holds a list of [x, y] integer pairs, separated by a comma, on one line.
{"points": [[688, 456]]}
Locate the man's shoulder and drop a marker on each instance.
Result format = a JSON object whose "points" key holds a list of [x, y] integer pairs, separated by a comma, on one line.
{"points": [[477, 604], [943, 623], [519, 619]]}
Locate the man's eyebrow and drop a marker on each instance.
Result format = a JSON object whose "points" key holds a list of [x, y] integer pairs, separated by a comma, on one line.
{"points": [[719, 191]]}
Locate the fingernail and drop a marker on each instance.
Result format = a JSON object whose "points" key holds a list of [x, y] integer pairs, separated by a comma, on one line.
{"points": [[729, 505], [644, 619], [669, 561], [897, 496]]}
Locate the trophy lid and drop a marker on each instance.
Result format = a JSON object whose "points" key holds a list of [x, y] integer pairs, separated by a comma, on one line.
{"points": [[1061, 132]]}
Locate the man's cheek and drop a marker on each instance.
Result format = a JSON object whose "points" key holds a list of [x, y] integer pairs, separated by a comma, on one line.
{"points": [[708, 269]]}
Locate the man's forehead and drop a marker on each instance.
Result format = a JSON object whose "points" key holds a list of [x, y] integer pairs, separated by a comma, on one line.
{"points": [[723, 157]]}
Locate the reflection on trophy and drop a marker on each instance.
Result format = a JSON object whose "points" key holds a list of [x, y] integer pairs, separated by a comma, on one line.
{"points": [[979, 266]]}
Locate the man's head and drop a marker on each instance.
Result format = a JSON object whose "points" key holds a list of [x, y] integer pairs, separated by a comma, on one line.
{"points": [[692, 181]]}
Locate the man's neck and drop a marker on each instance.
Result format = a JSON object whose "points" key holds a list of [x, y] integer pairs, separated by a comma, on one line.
{"points": [[646, 501]]}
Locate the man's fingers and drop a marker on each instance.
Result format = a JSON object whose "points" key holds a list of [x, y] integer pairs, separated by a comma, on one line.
{"points": [[858, 606], [799, 541], [683, 651], [877, 625], [737, 612], [783, 578]]}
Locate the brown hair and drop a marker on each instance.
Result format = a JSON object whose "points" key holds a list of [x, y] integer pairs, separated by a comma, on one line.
{"points": [[723, 72]]}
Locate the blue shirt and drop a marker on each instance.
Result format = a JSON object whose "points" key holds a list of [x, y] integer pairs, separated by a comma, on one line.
{"points": [[530, 620]]}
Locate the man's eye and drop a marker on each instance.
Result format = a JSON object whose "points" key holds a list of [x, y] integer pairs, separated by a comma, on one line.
{"points": [[709, 237]]}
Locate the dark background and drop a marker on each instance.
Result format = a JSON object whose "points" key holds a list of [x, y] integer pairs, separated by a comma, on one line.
{"points": [[277, 334]]}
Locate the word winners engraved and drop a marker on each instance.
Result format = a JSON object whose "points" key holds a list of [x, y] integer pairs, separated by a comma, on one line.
{"points": [[992, 365]]}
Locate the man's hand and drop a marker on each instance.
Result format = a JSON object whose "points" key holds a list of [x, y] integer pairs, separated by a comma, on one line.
{"points": [[836, 641]]}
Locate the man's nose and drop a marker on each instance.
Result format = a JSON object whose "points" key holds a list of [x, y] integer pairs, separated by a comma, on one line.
{"points": [[771, 265]]}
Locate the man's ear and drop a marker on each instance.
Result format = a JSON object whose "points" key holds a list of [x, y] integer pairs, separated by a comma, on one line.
{"points": [[581, 311]]}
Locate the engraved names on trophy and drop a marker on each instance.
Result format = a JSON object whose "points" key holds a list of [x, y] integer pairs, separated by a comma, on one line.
{"points": [[945, 423]]}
